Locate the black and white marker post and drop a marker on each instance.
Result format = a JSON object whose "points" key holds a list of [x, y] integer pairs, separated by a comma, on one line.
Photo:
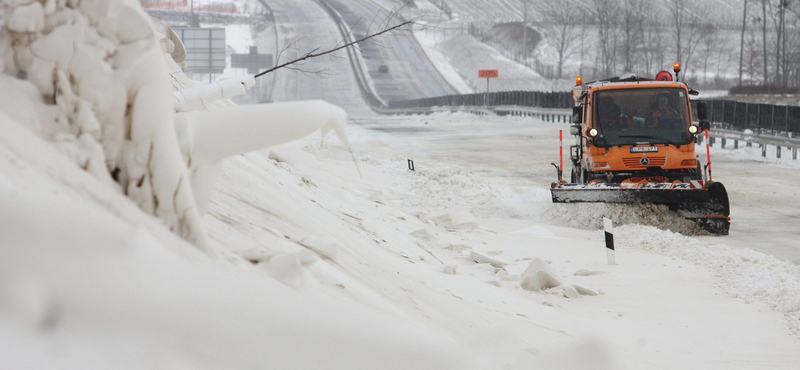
{"points": [[608, 227]]}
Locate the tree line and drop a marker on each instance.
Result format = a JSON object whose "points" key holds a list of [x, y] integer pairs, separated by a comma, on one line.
{"points": [[603, 38]]}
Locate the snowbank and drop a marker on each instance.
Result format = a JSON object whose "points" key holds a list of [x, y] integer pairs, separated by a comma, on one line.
{"points": [[327, 256]]}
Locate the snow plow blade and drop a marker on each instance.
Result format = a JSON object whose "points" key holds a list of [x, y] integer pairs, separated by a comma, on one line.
{"points": [[707, 206]]}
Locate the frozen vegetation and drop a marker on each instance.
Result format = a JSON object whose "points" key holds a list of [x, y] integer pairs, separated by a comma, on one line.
{"points": [[148, 222]]}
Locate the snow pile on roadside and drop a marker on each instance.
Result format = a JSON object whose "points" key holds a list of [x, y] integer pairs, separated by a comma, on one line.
{"points": [[589, 216], [745, 273], [753, 153]]}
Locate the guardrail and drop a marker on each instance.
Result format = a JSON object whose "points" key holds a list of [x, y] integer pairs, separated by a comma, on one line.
{"points": [[556, 115], [474, 103], [749, 138], [562, 100]]}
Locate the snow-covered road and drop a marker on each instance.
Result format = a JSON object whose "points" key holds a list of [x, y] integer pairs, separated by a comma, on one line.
{"points": [[764, 217], [764, 201], [306, 23], [407, 75]]}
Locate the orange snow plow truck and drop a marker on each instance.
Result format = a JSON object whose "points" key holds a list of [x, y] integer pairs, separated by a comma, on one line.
{"points": [[635, 142]]}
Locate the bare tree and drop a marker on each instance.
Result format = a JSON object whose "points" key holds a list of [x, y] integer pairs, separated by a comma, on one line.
{"points": [[560, 26], [791, 52], [753, 57], [764, 40], [778, 17], [654, 41], [606, 13], [290, 44], [708, 42], [632, 18], [686, 31], [678, 9]]}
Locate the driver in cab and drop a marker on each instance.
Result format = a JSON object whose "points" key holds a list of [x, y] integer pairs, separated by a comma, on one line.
{"points": [[660, 109], [611, 116]]}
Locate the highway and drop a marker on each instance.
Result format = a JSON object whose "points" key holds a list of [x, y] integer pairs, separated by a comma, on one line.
{"points": [[764, 215], [398, 67], [517, 153], [307, 23]]}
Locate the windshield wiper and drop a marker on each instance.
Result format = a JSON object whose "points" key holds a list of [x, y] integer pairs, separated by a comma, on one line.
{"points": [[668, 141]]}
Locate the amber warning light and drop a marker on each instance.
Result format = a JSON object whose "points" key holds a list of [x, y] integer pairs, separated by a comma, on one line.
{"points": [[579, 80], [676, 67]]}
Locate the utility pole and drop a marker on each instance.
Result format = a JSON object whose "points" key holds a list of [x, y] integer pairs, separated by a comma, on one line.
{"points": [[741, 44]]}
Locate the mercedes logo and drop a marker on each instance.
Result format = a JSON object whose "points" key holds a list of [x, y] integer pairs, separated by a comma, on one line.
{"points": [[644, 161]]}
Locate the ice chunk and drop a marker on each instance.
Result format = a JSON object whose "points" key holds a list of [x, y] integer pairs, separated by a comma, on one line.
{"points": [[455, 219], [483, 258], [539, 276]]}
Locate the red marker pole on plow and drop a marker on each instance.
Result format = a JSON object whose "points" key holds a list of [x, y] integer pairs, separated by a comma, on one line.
{"points": [[560, 154], [708, 159], [560, 165]]}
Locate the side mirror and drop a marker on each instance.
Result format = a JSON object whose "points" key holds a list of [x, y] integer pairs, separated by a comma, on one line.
{"points": [[575, 130], [577, 114], [705, 125], [702, 113]]}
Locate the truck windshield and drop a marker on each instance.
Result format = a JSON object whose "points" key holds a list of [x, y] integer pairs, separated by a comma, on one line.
{"points": [[641, 116]]}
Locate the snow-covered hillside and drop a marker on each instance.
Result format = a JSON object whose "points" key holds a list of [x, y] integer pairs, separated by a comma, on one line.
{"points": [[326, 252]]}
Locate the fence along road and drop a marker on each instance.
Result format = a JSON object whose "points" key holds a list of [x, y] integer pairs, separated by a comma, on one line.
{"points": [[772, 127]]}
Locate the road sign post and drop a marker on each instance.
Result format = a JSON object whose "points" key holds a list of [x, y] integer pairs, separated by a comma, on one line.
{"points": [[487, 74]]}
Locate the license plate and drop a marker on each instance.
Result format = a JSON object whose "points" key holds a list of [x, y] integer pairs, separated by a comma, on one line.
{"points": [[644, 149]]}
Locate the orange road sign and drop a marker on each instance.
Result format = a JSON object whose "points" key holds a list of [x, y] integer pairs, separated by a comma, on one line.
{"points": [[487, 73]]}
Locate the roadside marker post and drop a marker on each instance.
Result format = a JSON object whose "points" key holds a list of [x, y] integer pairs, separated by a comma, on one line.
{"points": [[608, 227]]}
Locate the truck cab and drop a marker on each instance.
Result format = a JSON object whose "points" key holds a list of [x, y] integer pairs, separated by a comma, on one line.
{"points": [[633, 128]]}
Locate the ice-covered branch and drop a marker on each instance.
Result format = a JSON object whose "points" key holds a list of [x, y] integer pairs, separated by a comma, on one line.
{"points": [[314, 53], [112, 79]]}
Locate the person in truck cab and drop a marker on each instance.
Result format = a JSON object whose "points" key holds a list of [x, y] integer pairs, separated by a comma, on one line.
{"points": [[661, 109], [611, 117]]}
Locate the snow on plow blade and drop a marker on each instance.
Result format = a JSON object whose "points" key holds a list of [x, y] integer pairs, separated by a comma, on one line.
{"points": [[656, 193], [707, 206]]}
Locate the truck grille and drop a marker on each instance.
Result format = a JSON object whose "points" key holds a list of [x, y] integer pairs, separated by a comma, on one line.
{"points": [[635, 162]]}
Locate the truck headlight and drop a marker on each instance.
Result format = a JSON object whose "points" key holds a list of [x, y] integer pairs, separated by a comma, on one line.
{"points": [[692, 129]]}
